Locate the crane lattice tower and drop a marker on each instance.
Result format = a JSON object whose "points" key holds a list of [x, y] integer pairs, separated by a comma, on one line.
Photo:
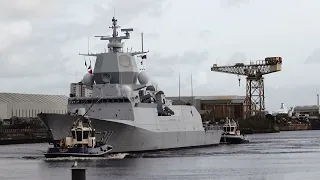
{"points": [[254, 104]]}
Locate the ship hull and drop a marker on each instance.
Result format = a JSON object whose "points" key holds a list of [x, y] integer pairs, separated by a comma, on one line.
{"points": [[129, 138], [55, 152], [233, 139]]}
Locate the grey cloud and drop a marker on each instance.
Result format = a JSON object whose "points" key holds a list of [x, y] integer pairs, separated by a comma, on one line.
{"points": [[234, 3], [41, 54], [204, 34], [165, 70], [158, 66], [22, 9], [237, 57], [45, 61], [33, 58], [167, 66], [49, 84], [129, 8], [146, 35], [314, 57], [189, 58]]}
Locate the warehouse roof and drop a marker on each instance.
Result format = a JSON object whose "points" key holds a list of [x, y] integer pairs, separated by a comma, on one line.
{"points": [[220, 97], [301, 108], [33, 98]]}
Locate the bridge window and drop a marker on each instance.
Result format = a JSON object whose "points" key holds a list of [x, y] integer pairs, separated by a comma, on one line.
{"points": [[85, 134], [79, 135], [73, 134]]}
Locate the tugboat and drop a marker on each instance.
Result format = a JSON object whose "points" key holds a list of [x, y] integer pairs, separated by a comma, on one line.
{"points": [[82, 143], [231, 134]]}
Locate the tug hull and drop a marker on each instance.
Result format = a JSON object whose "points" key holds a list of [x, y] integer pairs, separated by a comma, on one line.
{"points": [[55, 152]]}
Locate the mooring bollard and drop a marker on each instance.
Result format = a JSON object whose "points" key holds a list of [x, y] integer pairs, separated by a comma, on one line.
{"points": [[78, 174]]}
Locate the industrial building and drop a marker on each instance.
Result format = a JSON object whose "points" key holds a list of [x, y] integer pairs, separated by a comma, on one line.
{"points": [[222, 106], [308, 110], [29, 105]]}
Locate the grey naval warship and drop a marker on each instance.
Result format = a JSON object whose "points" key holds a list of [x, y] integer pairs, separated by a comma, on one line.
{"points": [[134, 115]]}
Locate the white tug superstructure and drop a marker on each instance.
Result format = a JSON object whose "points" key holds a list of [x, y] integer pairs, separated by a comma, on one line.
{"points": [[80, 143], [231, 134], [134, 113]]}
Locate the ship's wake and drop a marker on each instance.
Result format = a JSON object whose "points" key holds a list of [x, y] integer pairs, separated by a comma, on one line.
{"points": [[164, 154], [222, 150], [208, 154], [111, 156], [41, 157]]}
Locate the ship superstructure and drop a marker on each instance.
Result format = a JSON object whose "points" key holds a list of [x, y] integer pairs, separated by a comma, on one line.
{"points": [[134, 113]]}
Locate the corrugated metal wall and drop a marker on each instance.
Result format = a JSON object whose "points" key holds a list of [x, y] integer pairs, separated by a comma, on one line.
{"points": [[29, 105], [222, 106], [221, 111]]}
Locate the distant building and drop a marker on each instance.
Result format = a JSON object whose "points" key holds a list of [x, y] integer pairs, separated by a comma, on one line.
{"points": [[79, 90], [29, 105], [307, 110], [282, 110], [222, 106]]}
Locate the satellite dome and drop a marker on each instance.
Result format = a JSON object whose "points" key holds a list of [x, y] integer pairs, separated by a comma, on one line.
{"points": [[143, 77], [88, 79], [126, 90]]}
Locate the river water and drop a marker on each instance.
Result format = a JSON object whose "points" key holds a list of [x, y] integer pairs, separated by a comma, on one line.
{"points": [[279, 156]]}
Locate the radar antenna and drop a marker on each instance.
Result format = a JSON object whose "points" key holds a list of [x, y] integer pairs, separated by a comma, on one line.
{"points": [[115, 45], [114, 27]]}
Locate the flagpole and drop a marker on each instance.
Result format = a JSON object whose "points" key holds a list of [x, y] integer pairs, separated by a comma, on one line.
{"points": [[88, 47], [192, 89], [76, 75], [142, 42], [89, 56], [179, 85], [191, 86]]}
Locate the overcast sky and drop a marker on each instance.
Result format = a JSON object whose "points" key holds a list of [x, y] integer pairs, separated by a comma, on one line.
{"points": [[40, 41]]}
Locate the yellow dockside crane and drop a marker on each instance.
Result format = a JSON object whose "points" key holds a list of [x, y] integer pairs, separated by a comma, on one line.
{"points": [[254, 72]]}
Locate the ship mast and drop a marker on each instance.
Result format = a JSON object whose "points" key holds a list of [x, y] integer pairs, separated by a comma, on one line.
{"points": [[115, 45]]}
